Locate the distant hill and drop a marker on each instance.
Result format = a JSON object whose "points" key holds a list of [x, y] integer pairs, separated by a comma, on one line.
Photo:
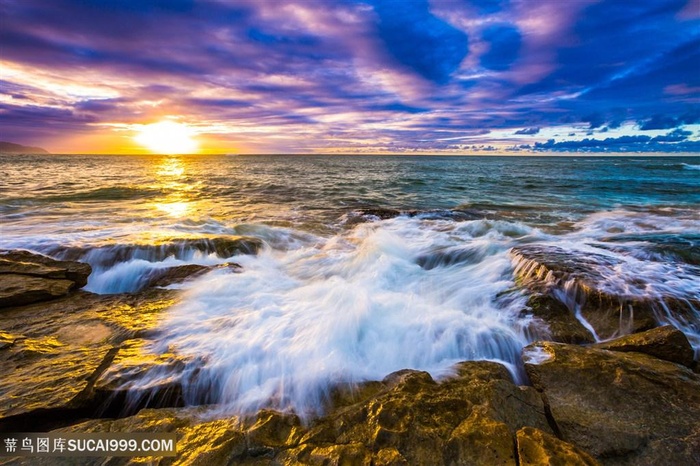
{"points": [[12, 148]]}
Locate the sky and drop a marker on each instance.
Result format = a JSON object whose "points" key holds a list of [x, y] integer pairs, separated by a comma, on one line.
{"points": [[346, 76]]}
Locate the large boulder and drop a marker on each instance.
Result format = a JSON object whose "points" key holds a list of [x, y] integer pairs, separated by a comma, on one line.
{"points": [[665, 342], [27, 277], [624, 408]]}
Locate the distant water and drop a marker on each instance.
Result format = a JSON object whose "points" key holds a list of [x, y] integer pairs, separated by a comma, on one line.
{"points": [[332, 298]]}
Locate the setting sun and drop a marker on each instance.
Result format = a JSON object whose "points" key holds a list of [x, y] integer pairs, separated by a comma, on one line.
{"points": [[167, 137]]}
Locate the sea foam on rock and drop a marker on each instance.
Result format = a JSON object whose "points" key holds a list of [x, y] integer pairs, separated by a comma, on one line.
{"points": [[590, 286]]}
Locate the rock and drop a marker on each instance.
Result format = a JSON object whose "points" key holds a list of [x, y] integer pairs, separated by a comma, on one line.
{"points": [[580, 281], [563, 326], [622, 408], [28, 277], [480, 440], [426, 422], [662, 247], [178, 248], [34, 264], [380, 213], [273, 429], [181, 273], [537, 448], [389, 457], [352, 454], [200, 440], [665, 342], [451, 256], [18, 290], [138, 377], [59, 350], [7, 340], [408, 418]]}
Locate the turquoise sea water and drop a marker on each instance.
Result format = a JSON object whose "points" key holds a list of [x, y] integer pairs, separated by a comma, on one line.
{"points": [[346, 289]]}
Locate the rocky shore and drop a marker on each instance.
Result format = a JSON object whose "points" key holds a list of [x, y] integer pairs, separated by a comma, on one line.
{"points": [[73, 361]]}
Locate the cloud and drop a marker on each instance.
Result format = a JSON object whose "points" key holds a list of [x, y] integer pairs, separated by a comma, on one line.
{"points": [[675, 141], [425, 44], [528, 131], [295, 75], [504, 46], [659, 121]]}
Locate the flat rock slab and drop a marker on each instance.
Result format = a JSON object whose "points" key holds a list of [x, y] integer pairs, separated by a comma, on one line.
{"points": [[27, 277], [623, 408], [18, 290], [46, 374], [53, 352], [31, 263], [178, 274], [135, 366], [138, 377], [161, 248]]}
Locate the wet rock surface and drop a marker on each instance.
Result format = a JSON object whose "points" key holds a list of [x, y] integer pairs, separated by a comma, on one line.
{"points": [[667, 343], [537, 448], [27, 277], [409, 418], [178, 248], [581, 281], [624, 408], [660, 247], [30, 263], [53, 352], [562, 323], [172, 275], [373, 214]]}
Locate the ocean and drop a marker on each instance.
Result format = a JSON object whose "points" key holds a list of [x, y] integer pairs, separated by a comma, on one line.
{"points": [[369, 264]]}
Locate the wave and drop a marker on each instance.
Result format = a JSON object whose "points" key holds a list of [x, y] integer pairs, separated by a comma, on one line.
{"points": [[125, 268], [347, 309], [689, 166]]}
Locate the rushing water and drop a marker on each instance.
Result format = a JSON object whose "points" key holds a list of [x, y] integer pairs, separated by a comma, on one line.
{"points": [[334, 299]]}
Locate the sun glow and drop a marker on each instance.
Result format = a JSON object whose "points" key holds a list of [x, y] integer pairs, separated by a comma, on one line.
{"points": [[167, 137]]}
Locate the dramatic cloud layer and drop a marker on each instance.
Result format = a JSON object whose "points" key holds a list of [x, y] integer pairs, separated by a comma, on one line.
{"points": [[429, 76]]}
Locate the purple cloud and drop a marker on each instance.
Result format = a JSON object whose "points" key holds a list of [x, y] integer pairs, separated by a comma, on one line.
{"points": [[295, 75]]}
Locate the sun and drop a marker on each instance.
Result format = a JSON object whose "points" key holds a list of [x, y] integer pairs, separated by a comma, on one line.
{"points": [[167, 137]]}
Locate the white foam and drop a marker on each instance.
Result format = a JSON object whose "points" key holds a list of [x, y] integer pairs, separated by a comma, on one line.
{"points": [[536, 355], [347, 309]]}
